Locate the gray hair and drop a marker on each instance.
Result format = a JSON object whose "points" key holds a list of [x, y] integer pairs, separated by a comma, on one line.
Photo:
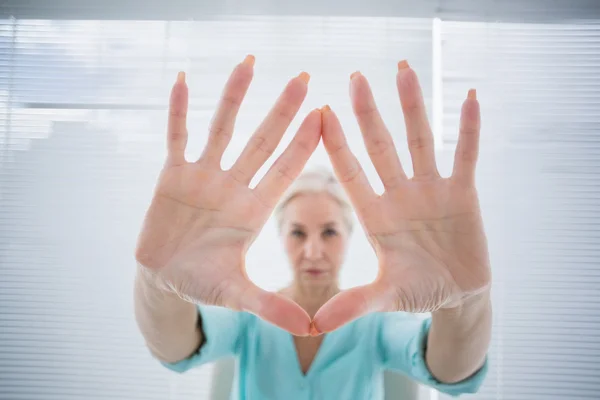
{"points": [[317, 180]]}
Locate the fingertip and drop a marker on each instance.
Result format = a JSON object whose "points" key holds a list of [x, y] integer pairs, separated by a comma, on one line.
{"points": [[314, 331], [314, 119], [328, 114], [178, 103], [402, 65], [321, 325], [355, 78], [249, 60], [470, 108], [472, 94], [315, 112], [304, 77], [360, 90], [179, 89], [330, 118], [285, 313], [243, 72], [323, 111], [303, 330], [295, 92], [406, 78], [324, 319], [330, 126]]}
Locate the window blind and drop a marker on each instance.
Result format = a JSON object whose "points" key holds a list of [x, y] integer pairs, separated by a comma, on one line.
{"points": [[547, 11], [82, 122], [82, 111], [538, 175]]}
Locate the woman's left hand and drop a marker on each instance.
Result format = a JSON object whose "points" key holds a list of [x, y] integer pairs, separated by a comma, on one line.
{"points": [[427, 231]]}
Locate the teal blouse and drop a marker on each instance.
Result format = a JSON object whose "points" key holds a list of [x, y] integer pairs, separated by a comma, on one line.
{"points": [[348, 365]]}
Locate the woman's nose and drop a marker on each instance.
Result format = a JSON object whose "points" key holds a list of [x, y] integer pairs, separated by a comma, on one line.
{"points": [[313, 248]]}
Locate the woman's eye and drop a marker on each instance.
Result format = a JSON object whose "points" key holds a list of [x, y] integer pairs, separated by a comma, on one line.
{"points": [[297, 233], [330, 232]]}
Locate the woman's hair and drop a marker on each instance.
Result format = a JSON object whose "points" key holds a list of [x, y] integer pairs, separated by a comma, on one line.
{"points": [[316, 180]]}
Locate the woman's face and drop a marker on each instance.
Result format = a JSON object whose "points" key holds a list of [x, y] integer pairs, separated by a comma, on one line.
{"points": [[315, 238]]}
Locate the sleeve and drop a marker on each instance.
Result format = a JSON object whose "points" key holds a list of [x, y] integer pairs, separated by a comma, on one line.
{"points": [[402, 345], [223, 333]]}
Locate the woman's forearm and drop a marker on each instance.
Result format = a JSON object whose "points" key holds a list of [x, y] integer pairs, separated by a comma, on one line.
{"points": [[168, 323], [459, 339]]}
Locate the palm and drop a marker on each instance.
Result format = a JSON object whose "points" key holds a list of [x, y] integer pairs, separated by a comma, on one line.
{"points": [[427, 231], [430, 242], [202, 220], [205, 217]]}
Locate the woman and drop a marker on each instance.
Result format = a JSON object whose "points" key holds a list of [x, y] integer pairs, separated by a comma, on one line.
{"points": [[426, 231]]}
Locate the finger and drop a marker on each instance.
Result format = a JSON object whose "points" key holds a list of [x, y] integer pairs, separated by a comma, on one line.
{"points": [[291, 162], [376, 136], [418, 131], [275, 308], [347, 306], [467, 149], [176, 125], [345, 165], [223, 122], [264, 141]]}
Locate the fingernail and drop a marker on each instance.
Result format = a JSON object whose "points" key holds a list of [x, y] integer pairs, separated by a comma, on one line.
{"points": [[472, 94], [181, 77], [249, 60], [325, 108], [313, 329], [402, 65], [305, 77], [355, 75]]}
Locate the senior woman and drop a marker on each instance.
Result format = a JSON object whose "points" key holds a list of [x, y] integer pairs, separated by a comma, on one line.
{"points": [[195, 304]]}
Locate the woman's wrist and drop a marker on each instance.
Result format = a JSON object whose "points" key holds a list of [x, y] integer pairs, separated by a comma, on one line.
{"points": [[153, 288], [470, 312]]}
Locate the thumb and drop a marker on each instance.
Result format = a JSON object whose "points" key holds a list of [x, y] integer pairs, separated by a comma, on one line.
{"points": [[274, 308], [349, 305]]}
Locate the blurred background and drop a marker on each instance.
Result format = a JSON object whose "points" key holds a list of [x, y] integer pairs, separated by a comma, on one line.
{"points": [[83, 95]]}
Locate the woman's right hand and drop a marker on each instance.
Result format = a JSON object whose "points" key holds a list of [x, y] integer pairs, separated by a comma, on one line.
{"points": [[202, 220]]}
